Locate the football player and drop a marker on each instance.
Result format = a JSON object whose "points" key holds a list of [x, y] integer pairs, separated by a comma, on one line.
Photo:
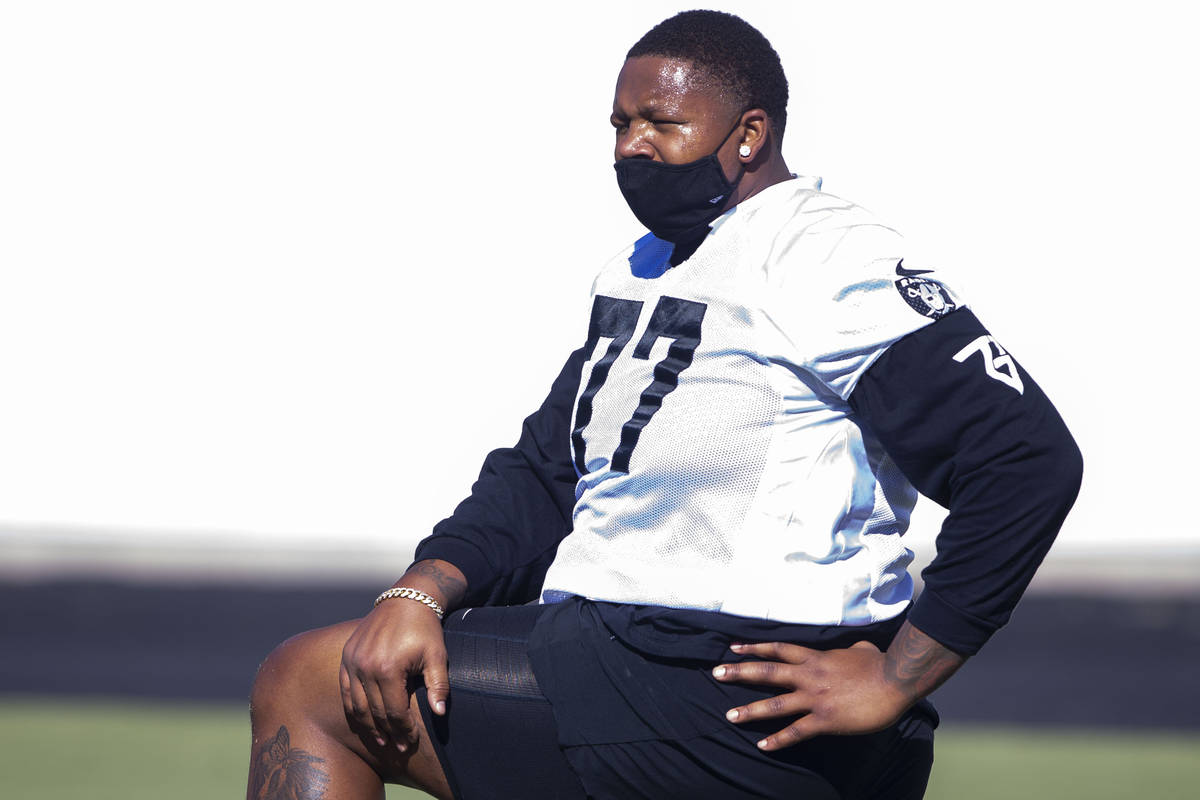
{"points": [[707, 508]]}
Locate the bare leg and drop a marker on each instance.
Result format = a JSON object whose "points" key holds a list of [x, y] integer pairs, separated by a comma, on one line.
{"points": [[304, 749]]}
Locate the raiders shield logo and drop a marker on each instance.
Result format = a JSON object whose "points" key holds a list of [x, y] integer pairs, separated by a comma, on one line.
{"points": [[926, 296]]}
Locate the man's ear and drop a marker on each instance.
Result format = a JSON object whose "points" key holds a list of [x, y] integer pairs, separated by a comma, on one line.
{"points": [[755, 129]]}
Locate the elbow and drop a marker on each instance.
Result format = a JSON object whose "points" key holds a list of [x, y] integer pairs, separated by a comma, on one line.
{"points": [[1070, 469], [1076, 465]]}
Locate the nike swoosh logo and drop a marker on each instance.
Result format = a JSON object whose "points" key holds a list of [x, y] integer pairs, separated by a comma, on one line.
{"points": [[909, 273]]}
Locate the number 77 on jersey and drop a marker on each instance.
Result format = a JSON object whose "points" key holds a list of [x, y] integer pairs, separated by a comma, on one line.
{"points": [[616, 319]]}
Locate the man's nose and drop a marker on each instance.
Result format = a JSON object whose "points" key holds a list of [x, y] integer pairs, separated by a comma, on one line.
{"points": [[632, 144]]}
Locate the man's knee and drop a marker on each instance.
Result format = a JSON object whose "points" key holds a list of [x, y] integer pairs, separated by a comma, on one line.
{"points": [[300, 674]]}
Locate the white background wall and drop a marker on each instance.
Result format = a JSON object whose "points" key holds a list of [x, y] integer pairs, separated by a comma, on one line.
{"points": [[287, 270]]}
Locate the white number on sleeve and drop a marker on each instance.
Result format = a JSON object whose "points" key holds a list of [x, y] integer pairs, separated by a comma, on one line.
{"points": [[999, 365]]}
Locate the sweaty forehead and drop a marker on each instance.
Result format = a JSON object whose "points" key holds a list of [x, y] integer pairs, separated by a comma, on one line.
{"points": [[658, 83]]}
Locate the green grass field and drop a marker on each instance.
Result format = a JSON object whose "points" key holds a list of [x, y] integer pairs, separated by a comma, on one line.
{"points": [[66, 750]]}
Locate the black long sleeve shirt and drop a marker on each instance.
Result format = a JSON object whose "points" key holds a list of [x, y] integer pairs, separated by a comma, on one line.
{"points": [[963, 421]]}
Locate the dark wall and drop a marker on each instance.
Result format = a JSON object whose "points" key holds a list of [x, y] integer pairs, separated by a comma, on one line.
{"points": [[1063, 660]]}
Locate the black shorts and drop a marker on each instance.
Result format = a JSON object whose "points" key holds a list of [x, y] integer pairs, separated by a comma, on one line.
{"points": [[499, 738]]}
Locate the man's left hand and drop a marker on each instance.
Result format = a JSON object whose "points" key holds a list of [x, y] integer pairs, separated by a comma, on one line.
{"points": [[854, 690]]}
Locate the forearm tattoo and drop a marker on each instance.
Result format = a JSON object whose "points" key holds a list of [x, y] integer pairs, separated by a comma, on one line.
{"points": [[918, 663], [452, 588], [282, 772]]}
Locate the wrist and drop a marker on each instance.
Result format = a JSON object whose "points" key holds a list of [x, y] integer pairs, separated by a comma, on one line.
{"points": [[439, 580], [915, 664], [408, 593]]}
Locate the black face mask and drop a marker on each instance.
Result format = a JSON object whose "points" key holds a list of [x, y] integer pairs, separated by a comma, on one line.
{"points": [[676, 201]]}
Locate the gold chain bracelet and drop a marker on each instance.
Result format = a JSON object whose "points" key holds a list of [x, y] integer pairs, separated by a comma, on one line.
{"points": [[411, 594]]}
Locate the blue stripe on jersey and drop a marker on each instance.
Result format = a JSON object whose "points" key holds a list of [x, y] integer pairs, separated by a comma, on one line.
{"points": [[651, 257]]}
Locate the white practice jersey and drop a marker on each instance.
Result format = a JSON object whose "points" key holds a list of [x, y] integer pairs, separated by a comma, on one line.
{"points": [[720, 465]]}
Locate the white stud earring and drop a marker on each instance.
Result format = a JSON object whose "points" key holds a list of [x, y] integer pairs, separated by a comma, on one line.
{"points": [[744, 151]]}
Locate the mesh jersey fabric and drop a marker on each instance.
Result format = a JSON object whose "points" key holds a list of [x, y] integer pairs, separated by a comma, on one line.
{"points": [[720, 464]]}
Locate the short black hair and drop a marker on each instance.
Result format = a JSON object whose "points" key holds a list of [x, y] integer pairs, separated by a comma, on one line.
{"points": [[730, 50]]}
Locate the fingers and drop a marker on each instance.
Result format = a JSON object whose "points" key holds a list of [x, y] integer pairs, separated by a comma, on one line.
{"points": [[798, 731], [782, 705], [393, 716], [379, 711], [347, 694], [377, 700], [357, 706], [838, 691], [778, 651], [782, 670], [389, 651], [437, 684], [795, 703]]}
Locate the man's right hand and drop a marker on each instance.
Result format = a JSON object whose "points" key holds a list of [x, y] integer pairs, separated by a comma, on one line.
{"points": [[396, 646]]}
